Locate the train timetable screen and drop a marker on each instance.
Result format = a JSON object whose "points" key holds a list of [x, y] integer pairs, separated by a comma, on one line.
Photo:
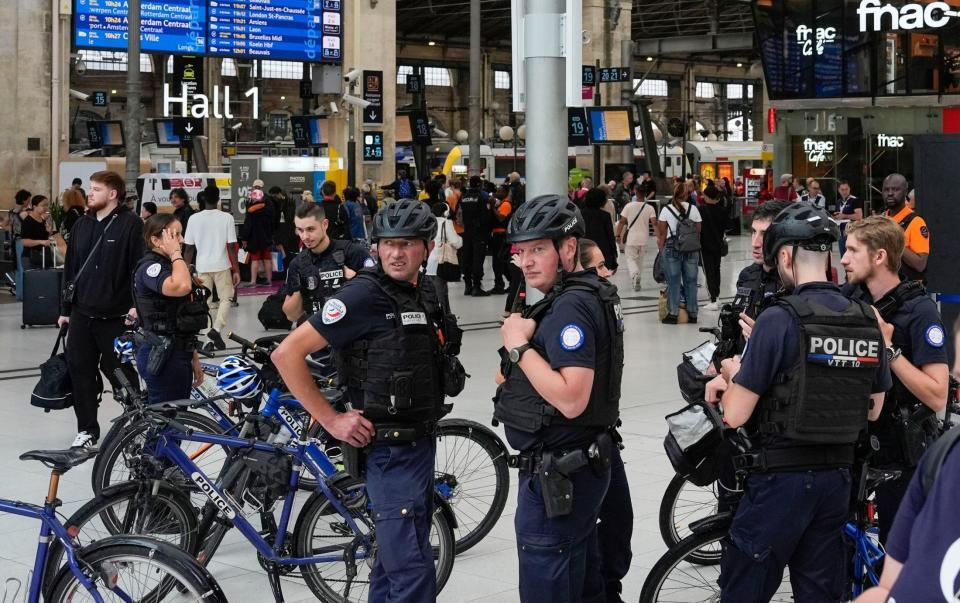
{"points": [[176, 26], [610, 125]]}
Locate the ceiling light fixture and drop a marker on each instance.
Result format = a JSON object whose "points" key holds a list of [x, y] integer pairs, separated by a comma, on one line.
{"points": [[431, 43]]}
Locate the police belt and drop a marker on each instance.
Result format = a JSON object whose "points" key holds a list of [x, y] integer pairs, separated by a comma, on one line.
{"points": [[799, 458], [402, 433]]}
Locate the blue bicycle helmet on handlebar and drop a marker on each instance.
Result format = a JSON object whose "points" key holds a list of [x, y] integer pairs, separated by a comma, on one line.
{"points": [[237, 377], [123, 349]]}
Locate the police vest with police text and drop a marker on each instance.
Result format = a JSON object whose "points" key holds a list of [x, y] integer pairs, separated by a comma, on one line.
{"points": [[764, 285], [824, 397], [182, 317], [317, 283], [399, 373], [519, 405]]}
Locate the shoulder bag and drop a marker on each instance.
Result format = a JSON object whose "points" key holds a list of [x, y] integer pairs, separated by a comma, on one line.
{"points": [[448, 266], [70, 287]]}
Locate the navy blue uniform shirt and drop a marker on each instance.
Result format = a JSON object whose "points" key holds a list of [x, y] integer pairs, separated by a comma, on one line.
{"points": [[359, 310], [926, 538], [568, 335], [148, 281], [775, 343], [356, 257]]}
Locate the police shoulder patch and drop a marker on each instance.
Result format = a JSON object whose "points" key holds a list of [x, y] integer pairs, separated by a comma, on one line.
{"points": [[935, 336], [154, 269], [333, 311], [369, 262], [571, 337]]}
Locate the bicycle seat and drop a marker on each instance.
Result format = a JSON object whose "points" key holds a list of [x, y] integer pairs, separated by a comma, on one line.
{"points": [[60, 461], [876, 477]]}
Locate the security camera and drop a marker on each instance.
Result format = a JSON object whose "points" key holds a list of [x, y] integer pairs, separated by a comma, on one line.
{"points": [[351, 76], [334, 109], [440, 132], [356, 101], [236, 126], [81, 96]]}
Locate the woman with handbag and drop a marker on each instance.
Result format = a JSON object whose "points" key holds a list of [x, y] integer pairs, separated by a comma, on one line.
{"points": [[442, 265]]}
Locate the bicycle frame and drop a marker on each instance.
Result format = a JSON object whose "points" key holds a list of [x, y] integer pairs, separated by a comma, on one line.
{"points": [[166, 446], [50, 528], [867, 554]]}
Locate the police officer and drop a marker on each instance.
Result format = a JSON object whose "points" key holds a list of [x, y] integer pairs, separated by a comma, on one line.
{"points": [[474, 213], [562, 361], [172, 310], [391, 339], [758, 283], [914, 337], [803, 391], [313, 277]]}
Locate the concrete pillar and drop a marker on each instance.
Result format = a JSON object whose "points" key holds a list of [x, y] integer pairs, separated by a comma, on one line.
{"points": [[25, 67], [607, 23], [215, 127], [370, 42]]}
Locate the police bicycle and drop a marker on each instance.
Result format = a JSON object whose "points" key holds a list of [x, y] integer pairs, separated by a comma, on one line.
{"points": [[330, 543], [471, 472], [119, 568]]}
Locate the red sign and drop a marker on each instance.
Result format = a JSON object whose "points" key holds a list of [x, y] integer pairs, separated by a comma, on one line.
{"points": [[771, 121], [951, 120], [587, 92]]}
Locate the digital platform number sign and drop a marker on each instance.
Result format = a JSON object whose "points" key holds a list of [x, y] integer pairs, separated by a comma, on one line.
{"points": [[611, 125], [296, 30], [577, 127], [175, 26]]}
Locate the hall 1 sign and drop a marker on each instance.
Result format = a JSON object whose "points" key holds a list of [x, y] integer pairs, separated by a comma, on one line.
{"points": [[199, 106]]}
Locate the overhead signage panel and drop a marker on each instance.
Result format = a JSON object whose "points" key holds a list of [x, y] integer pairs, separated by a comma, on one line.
{"points": [[174, 26], [294, 30]]}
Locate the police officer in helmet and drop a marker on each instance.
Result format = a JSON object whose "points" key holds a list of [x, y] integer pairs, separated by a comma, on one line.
{"points": [[811, 375], [392, 342], [313, 277], [172, 309], [561, 365]]}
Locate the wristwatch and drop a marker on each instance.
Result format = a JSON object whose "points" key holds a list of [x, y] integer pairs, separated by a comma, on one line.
{"points": [[517, 352], [892, 354]]}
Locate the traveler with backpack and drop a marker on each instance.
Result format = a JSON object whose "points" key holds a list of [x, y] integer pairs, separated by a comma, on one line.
{"points": [[335, 211], [403, 187], [678, 238]]}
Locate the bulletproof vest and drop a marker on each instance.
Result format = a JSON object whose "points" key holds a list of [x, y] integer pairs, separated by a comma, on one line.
{"points": [[398, 372], [321, 279], [181, 317], [471, 208], [763, 286], [824, 396], [906, 272], [900, 401], [518, 404]]}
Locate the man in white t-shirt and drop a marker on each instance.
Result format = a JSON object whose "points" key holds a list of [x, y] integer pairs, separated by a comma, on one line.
{"points": [[213, 235], [633, 230]]}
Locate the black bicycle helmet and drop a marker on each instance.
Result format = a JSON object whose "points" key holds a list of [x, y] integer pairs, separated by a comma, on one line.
{"points": [[404, 219], [545, 217], [803, 225]]}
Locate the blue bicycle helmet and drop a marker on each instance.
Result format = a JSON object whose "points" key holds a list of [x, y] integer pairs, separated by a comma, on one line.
{"points": [[237, 377], [123, 349]]}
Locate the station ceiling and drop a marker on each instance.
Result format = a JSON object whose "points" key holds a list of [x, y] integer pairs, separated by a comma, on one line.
{"points": [[448, 21]]}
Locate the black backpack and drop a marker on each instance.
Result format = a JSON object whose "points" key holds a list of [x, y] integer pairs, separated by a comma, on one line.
{"points": [[271, 313]]}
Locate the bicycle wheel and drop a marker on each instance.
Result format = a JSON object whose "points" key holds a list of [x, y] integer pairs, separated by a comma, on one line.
{"points": [[684, 503], [471, 473], [113, 463], [137, 569], [677, 578], [124, 509], [319, 531]]}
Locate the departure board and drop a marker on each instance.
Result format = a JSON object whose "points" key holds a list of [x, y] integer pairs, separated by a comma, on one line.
{"points": [[174, 26], [610, 125], [296, 30]]}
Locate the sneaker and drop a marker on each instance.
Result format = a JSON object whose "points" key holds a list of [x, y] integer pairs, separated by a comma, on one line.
{"points": [[246, 285], [669, 319], [712, 306], [84, 439], [214, 336], [636, 282], [692, 320], [262, 282], [478, 292], [499, 291]]}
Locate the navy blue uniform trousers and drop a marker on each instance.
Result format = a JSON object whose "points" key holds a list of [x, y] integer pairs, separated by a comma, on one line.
{"points": [[400, 486], [615, 529], [788, 518], [175, 379], [559, 557]]}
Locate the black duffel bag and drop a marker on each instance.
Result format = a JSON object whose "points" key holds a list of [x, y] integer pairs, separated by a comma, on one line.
{"points": [[694, 443], [271, 314], [54, 391]]}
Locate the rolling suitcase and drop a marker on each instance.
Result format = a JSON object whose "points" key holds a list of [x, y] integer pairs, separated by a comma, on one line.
{"points": [[41, 296]]}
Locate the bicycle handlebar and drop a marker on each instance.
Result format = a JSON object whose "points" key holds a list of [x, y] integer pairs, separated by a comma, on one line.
{"points": [[244, 342]]}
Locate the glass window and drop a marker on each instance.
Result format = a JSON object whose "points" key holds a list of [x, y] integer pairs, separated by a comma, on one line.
{"points": [[436, 76], [228, 68], [705, 90], [651, 87], [283, 70], [402, 72], [105, 60], [501, 80], [735, 91]]}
